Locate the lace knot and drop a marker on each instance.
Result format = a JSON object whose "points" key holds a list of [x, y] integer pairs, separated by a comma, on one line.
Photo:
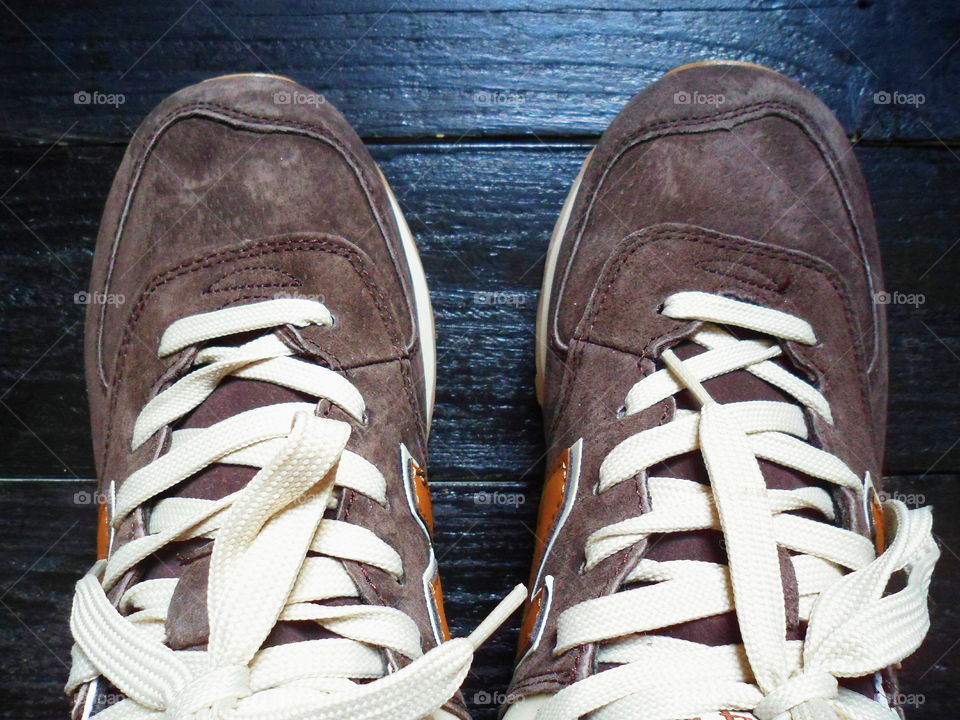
{"points": [[212, 695], [803, 688]]}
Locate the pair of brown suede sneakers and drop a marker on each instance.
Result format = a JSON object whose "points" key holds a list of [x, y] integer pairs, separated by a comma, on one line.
{"points": [[712, 369]]}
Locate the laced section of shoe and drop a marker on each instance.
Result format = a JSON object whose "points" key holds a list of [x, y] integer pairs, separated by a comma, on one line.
{"points": [[274, 558], [853, 627]]}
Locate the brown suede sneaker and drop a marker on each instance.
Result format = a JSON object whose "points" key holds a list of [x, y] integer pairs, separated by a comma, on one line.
{"points": [[260, 361], [712, 369]]}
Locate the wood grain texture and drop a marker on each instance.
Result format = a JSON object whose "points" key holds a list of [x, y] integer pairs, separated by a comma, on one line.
{"points": [[417, 68], [483, 546], [482, 216], [480, 115]]}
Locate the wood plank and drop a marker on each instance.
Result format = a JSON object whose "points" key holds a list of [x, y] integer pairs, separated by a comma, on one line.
{"points": [[482, 216], [484, 549], [509, 67]]}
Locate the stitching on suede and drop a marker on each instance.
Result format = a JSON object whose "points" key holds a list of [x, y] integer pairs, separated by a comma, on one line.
{"points": [[663, 419], [571, 673], [546, 681], [734, 114], [768, 287], [373, 586], [638, 241], [255, 119], [610, 588], [210, 289], [184, 268], [654, 128], [593, 317], [575, 355], [641, 239], [534, 679], [251, 286], [792, 113], [186, 111], [207, 261], [228, 303], [352, 496]]}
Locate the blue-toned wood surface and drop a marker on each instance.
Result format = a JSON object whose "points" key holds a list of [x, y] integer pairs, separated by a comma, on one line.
{"points": [[480, 115]]}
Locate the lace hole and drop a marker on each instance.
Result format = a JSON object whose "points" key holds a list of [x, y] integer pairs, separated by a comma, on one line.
{"points": [[621, 412], [583, 568], [365, 418]]}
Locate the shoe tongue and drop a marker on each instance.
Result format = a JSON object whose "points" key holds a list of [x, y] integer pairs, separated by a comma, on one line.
{"points": [[707, 545], [189, 561]]}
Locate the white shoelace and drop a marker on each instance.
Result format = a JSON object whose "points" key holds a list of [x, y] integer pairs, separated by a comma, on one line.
{"points": [[853, 628], [260, 573]]}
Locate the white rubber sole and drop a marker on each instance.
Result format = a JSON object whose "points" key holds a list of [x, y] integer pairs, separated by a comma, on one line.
{"points": [[273, 76], [707, 63], [423, 308], [549, 270]]}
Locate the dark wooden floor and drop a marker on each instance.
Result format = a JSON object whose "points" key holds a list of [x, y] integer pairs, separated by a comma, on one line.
{"points": [[479, 114]]}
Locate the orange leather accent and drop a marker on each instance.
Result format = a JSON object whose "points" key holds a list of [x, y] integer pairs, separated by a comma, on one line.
{"points": [[879, 523], [103, 529], [551, 500], [531, 612], [436, 589], [421, 492]]}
